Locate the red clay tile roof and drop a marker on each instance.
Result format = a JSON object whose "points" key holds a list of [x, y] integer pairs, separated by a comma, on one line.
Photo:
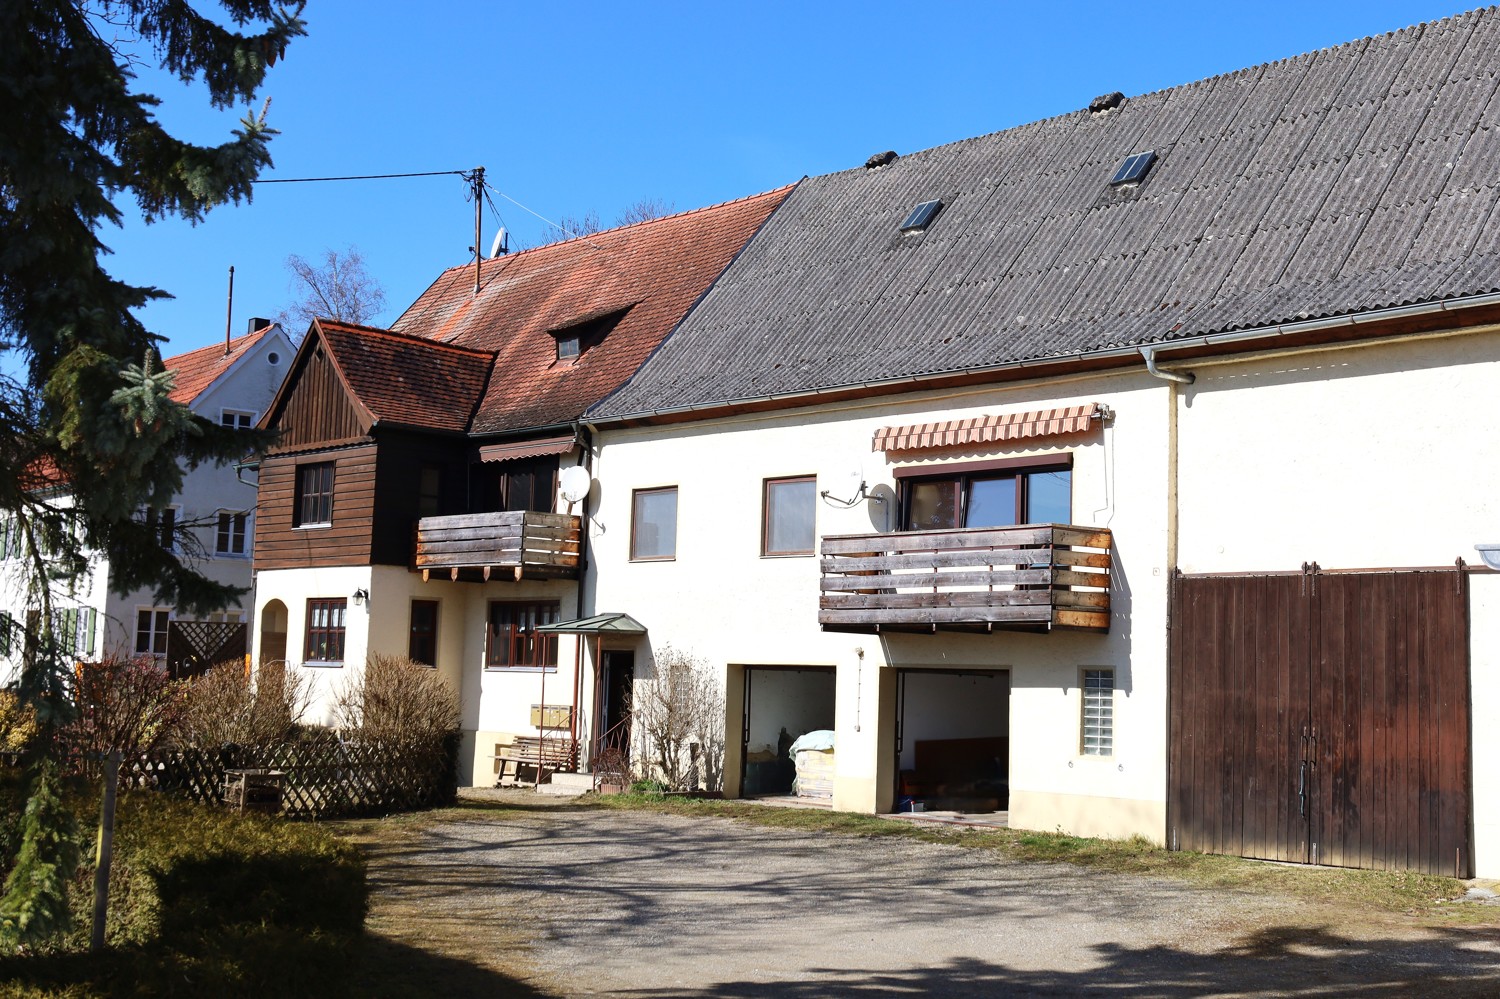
{"points": [[655, 269], [197, 369], [408, 380]]}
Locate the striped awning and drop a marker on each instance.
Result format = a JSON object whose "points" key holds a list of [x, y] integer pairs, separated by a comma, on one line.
{"points": [[527, 449], [990, 429]]}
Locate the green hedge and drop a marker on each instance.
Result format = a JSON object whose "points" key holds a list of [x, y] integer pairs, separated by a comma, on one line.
{"points": [[184, 870], [203, 902]]}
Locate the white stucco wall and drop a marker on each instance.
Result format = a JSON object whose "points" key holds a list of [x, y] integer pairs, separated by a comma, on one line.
{"points": [[1380, 455], [720, 599], [1484, 664], [495, 705]]}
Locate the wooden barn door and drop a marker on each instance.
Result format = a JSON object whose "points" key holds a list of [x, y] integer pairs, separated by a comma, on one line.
{"points": [[1391, 704], [1323, 718], [1240, 690]]}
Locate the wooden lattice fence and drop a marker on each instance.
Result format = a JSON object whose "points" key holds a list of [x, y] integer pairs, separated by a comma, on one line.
{"points": [[193, 647], [325, 777]]}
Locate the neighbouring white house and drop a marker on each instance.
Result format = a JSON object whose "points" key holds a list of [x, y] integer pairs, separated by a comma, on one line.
{"points": [[210, 523], [419, 501], [1122, 471]]}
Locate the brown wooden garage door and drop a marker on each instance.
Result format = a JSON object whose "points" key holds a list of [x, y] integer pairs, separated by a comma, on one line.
{"points": [[1322, 717]]}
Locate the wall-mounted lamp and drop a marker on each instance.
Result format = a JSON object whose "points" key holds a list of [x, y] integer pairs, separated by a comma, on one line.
{"points": [[1490, 554], [360, 596]]}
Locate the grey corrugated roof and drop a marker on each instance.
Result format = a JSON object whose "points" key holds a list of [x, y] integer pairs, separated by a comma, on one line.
{"points": [[1348, 179]]}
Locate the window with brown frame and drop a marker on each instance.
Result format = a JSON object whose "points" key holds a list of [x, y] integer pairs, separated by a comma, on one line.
{"points": [[314, 501], [999, 494], [325, 631], [512, 640], [421, 646], [515, 484], [788, 512], [653, 524]]}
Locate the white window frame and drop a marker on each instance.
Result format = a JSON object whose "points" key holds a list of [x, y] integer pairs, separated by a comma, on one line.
{"points": [[1096, 721], [153, 517], [246, 533], [237, 419], [156, 620]]}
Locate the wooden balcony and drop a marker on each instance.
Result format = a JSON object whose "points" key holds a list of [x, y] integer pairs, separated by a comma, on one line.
{"points": [[1035, 577], [481, 546]]}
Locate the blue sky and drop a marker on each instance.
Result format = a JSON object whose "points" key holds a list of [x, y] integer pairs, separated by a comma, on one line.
{"points": [[573, 107]]}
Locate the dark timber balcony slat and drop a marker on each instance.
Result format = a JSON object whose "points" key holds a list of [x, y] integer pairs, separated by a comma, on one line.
{"points": [[1028, 577], [967, 540], [543, 545]]}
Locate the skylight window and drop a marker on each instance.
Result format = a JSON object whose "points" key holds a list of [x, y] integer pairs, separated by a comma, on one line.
{"points": [[1133, 169], [921, 216]]}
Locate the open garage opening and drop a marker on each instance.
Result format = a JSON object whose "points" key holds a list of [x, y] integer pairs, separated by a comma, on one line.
{"points": [[788, 732], [953, 741]]}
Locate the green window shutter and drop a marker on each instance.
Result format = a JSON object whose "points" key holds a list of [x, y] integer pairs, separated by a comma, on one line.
{"points": [[90, 620], [6, 623]]}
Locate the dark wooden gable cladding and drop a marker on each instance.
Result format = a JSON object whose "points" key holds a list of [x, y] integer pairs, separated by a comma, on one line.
{"points": [[345, 540], [376, 501], [315, 408], [403, 457]]}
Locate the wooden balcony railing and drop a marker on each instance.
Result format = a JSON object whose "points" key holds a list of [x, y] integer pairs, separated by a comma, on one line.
{"points": [[1034, 577], [523, 545]]}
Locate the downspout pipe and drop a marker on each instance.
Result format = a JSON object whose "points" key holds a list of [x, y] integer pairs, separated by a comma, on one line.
{"points": [[1148, 354]]}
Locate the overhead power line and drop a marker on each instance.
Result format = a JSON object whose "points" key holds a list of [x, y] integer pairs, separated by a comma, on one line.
{"points": [[368, 176]]}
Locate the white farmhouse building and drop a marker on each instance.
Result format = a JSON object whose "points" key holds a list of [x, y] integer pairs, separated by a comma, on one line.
{"points": [[229, 383], [1120, 471]]}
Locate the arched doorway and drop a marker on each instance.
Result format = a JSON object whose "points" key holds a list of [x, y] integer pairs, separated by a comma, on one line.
{"points": [[273, 632]]}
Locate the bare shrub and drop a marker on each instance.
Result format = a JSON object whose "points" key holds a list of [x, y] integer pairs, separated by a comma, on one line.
{"points": [[396, 700], [225, 706], [18, 725], [130, 705], [679, 714]]}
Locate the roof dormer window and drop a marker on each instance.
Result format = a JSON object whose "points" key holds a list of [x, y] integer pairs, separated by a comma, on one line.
{"points": [[577, 337]]}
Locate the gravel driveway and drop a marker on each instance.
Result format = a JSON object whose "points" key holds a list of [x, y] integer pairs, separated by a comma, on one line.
{"points": [[582, 902]]}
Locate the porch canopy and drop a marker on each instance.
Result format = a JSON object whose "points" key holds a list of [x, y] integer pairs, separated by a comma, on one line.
{"points": [[599, 624]]}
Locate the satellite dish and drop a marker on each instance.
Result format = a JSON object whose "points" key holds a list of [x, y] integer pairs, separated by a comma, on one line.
{"points": [[574, 483], [501, 245], [846, 486]]}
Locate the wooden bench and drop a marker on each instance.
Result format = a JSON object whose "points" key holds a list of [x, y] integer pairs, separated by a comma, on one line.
{"points": [[546, 755]]}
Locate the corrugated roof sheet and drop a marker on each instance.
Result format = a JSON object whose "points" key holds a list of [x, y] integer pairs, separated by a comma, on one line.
{"points": [[1348, 179], [655, 269]]}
